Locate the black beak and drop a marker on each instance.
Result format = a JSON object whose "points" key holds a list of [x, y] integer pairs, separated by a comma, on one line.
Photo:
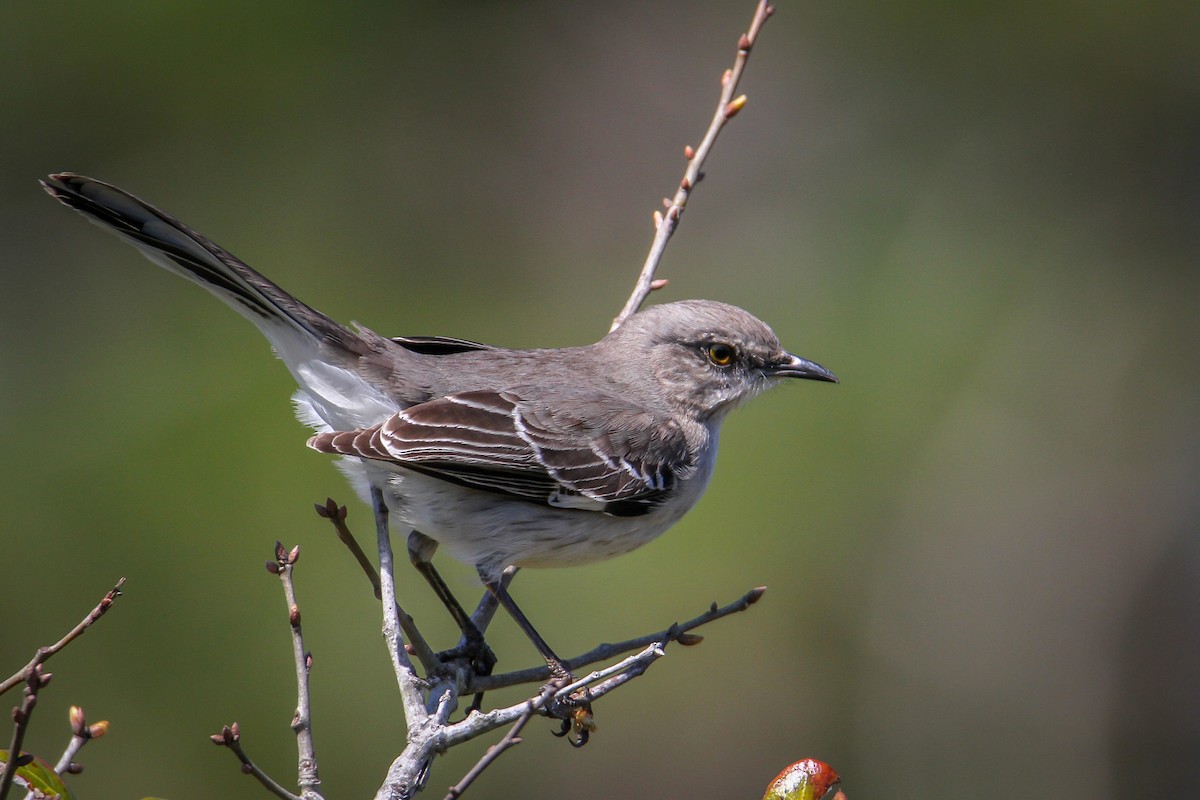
{"points": [[790, 366]]}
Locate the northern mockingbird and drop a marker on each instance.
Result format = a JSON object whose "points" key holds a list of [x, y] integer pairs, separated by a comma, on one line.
{"points": [[507, 458]]}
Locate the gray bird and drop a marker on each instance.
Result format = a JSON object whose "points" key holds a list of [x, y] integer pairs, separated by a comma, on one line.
{"points": [[507, 458]]}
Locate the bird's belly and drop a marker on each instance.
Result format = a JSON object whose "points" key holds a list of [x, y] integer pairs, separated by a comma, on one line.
{"points": [[491, 531]]}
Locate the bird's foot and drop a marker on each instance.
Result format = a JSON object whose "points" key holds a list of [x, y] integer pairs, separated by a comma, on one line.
{"points": [[476, 652], [479, 656], [574, 711]]}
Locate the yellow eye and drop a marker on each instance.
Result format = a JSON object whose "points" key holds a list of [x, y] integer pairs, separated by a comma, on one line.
{"points": [[720, 354]]}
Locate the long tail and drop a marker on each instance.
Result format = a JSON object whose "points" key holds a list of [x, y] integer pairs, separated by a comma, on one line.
{"points": [[286, 321]]}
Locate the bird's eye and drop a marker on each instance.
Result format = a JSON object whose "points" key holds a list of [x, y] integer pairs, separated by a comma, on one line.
{"points": [[720, 353]]}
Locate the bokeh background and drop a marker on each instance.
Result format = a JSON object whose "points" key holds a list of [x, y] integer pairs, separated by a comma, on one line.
{"points": [[982, 548]]}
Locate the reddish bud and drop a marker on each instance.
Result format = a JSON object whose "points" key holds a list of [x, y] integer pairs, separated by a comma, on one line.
{"points": [[97, 730], [78, 721], [807, 779], [247, 769], [685, 184], [689, 152], [280, 552], [658, 283], [735, 105], [294, 616], [272, 567], [744, 43], [228, 735], [74, 769], [331, 510], [293, 555], [755, 595]]}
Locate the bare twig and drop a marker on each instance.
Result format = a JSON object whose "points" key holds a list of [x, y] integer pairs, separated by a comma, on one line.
{"points": [[36, 680], [677, 632], [231, 737], [416, 642], [429, 734], [337, 516], [406, 678], [308, 776], [479, 723], [511, 739], [665, 224], [44, 653]]}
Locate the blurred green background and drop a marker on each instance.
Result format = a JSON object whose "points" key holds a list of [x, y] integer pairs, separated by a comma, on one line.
{"points": [[981, 548]]}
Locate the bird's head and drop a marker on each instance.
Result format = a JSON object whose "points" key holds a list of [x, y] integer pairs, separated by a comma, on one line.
{"points": [[707, 357]]}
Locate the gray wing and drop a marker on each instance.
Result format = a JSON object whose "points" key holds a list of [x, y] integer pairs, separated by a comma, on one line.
{"points": [[604, 454]]}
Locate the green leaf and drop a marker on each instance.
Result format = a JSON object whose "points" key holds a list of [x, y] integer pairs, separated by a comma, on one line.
{"points": [[39, 775]]}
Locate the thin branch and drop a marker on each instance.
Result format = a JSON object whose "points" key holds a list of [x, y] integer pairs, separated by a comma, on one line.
{"points": [[406, 677], [21, 715], [337, 516], [308, 774], [511, 739], [665, 225], [416, 642], [651, 648], [231, 737], [430, 734], [647, 655], [67, 760], [603, 652], [43, 654], [483, 722]]}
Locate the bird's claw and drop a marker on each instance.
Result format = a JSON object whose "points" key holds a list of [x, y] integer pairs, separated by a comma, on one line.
{"points": [[575, 714]]}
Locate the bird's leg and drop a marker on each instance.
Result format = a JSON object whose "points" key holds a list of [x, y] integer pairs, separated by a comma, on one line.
{"points": [[420, 551], [576, 712], [496, 585], [486, 610]]}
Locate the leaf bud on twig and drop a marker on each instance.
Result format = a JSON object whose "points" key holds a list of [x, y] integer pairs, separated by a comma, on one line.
{"points": [[735, 105], [78, 721]]}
